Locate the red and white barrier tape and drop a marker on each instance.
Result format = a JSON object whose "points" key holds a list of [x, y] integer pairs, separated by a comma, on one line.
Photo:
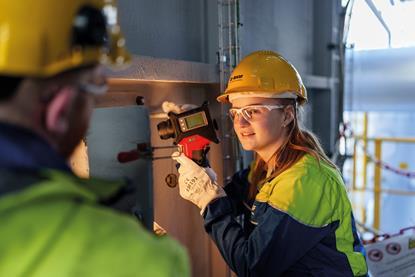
{"points": [[382, 237], [386, 166]]}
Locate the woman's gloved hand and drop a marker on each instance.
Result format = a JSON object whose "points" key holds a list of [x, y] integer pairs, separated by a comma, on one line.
{"points": [[197, 184], [167, 107]]}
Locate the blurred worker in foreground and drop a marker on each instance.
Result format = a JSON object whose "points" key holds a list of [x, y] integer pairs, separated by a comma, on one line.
{"points": [[53, 223], [298, 220]]}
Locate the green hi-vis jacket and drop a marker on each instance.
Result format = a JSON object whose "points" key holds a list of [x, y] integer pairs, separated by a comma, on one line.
{"points": [[301, 224], [52, 225]]}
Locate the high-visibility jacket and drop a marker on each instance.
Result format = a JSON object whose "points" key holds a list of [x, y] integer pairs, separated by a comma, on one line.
{"points": [[53, 223], [300, 224]]}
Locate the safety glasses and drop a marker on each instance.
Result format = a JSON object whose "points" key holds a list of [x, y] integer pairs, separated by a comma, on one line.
{"points": [[253, 112]]}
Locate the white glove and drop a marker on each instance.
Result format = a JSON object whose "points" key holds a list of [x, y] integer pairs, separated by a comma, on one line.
{"points": [[197, 184], [173, 107]]}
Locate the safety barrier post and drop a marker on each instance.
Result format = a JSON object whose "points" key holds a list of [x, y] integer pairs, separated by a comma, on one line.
{"points": [[358, 193], [365, 124], [354, 186], [377, 185]]}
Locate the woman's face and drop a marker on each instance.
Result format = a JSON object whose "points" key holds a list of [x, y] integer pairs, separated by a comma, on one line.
{"points": [[265, 131]]}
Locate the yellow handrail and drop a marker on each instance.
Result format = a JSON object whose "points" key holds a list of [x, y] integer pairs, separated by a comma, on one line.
{"points": [[386, 139], [389, 191], [378, 180], [377, 190], [365, 140]]}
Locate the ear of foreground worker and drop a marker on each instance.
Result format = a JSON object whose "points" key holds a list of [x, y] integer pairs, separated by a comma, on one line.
{"points": [[196, 184]]}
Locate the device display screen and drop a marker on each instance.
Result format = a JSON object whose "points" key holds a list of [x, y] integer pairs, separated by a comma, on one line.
{"points": [[195, 121]]}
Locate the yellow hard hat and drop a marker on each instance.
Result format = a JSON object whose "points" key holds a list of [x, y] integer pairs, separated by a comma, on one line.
{"points": [[265, 74], [42, 38]]}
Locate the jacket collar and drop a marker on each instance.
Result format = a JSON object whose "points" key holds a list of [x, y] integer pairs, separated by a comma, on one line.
{"points": [[22, 148], [23, 186]]}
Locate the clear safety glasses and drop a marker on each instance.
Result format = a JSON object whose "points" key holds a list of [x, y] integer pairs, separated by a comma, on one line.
{"points": [[253, 112]]}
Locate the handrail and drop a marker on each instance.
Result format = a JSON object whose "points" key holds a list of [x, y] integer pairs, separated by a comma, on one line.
{"points": [[387, 139], [388, 191], [377, 188]]}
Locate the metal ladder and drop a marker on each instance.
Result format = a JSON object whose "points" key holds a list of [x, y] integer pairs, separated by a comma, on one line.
{"points": [[229, 56]]}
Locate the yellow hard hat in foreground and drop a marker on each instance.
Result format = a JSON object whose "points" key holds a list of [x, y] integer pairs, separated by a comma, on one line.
{"points": [[45, 37], [265, 74]]}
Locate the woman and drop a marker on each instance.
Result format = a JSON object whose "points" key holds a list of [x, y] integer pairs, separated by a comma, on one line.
{"points": [[298, 219]]}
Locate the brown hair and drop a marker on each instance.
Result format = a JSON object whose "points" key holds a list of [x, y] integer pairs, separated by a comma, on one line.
{"points": [[298, 143]]}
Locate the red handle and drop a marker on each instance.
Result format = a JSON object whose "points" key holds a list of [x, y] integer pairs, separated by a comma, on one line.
{"points": [[125, 157]]}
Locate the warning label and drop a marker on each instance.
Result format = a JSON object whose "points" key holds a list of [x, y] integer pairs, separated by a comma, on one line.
{"points": [[392, 257], [375, 255], [393, 248]]}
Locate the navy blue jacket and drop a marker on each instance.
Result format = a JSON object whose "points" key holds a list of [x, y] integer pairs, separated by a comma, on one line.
{"points": [[300, 224]]}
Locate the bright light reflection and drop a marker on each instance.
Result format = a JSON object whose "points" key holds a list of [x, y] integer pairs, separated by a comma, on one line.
{"points": [[366, 31]]}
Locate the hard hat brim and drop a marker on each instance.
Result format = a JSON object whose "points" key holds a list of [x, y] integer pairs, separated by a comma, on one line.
{"points": [[223, 98]]}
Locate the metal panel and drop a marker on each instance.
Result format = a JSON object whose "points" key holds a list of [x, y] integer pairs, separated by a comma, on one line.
{"points": [[154, 69], [115, 130], [327, 107], [380, 80], [301, 31], [284, 26], [180, 218], [180, 29]]}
